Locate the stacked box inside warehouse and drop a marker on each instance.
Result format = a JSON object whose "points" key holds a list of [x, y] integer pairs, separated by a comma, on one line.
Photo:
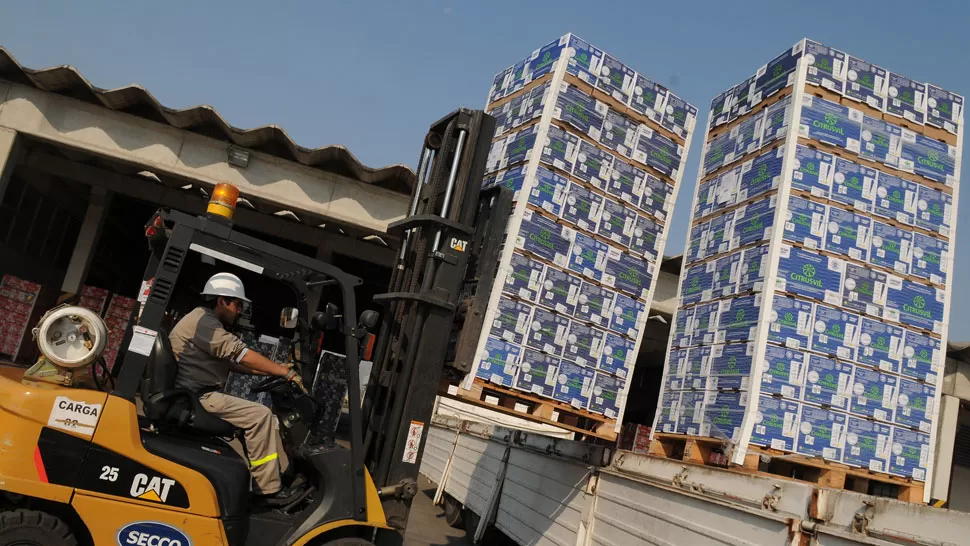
{"points": [[816, 284], [593, 151]]}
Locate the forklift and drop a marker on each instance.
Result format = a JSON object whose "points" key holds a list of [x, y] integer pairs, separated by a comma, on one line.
{"points": [[135, 461]]}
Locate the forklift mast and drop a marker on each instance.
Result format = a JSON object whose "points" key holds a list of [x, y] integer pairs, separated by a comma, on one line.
{"points": [[442, 241]]}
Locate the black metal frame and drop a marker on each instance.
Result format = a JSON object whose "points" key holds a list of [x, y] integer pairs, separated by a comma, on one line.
{"points": [[215, 233], [424, 294]]}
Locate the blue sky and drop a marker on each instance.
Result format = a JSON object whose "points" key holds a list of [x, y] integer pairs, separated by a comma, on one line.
{"points": [[373, 75]]}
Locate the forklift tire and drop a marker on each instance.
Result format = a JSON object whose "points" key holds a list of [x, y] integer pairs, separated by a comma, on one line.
{"points": [[454, 512], [32, 528]]}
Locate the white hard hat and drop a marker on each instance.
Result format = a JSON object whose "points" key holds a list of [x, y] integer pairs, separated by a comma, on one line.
{"points": [[225, 284]]}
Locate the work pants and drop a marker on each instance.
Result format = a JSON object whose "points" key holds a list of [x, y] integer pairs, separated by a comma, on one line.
{"points": [[267, 459]]}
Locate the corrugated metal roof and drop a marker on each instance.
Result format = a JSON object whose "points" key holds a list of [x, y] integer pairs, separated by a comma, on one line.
{"points": [[205, 120]]}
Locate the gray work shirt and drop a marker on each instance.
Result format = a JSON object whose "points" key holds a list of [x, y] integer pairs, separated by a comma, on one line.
{"points": [[204, 350]]}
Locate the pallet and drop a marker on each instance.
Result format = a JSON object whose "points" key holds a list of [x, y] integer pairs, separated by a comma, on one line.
{"points": [[770, 462], [533, 408]]}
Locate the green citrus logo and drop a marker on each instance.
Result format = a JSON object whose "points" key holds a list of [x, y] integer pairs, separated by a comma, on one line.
{"points": [[789, 317], [831, 119], [808, 270], [919, 302], [739, 316]]}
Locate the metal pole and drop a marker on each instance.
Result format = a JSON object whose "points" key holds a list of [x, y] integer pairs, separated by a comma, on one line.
{"points": [[451, 184], [421, 179]]}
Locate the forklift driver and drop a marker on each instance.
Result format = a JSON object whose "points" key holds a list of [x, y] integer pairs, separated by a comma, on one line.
{"points": [[206, 352]]}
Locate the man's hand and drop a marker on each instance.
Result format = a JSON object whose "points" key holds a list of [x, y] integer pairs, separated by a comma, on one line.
{"points": [[295, 378]]}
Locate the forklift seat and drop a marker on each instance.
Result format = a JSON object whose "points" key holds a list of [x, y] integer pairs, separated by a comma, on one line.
{"points": [[172, 408]]}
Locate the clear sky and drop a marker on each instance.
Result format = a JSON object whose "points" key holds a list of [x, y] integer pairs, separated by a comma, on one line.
{"points": [[372, 75]]}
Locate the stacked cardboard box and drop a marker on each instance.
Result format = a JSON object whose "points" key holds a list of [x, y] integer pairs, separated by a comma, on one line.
{"points": [[93, 299], [17, 300], [116, 318], [818, 272], [594, 152]]}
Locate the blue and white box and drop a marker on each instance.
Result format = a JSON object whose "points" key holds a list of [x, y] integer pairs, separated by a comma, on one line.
{"points": [[628, 315], [543, 60], [617, 222], [873, 394], [836, 332], [512, 320], [917, 305], [683, 327], [646, 238], [896, 198], [537, 373], [618, 356], [606, 393], [718, 152], [813, 171], [915, 405], [669, 411], [545, 238], [907, 98], [724, 413], [726, 274], [616, 79], [584, 344], [510, 179], [619, 133], [697, 245], [697, 284], [790, 322], [864, 289], [658, 151], [549, 191], [560, 291], [753, 222], [930, 256], [595, 304], [629, 273], [727, 188], [649, 98], [511, 150], [754, 267], [828, 382], [929, 158], [583, 207], [880, 141], [853, 184], [848, 233], [867, 444], [741, 103], [731, 365], [784, 371], [691, 418], [867, 83], [679, 116], [500, 362], [588, 256], [548, 332], [805, 222], [704, 326], [934, 210], [830, 122], [776, 75], [560, 149], [738, 319], [584, 59], [943, 108], [880, 345], [626, 182], [574, 384], [776, 423], [910, 454], [656, 199], [826, 66], [719, 234], [678, 367], [923, 357], [525, 277], [579, 110], [761, 174], [821, 433], [778, 118], [806, 273], [593, 165], [892, 247], [721, 109], [747, 135]]}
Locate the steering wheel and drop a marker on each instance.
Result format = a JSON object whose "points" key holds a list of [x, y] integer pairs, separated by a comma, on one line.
{"points": [[268, 384]]}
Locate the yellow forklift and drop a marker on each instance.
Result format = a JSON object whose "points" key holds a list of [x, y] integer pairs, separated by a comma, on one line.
{"points": [[84, 466]]}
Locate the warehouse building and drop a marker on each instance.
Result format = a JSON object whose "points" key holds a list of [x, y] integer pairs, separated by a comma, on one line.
{"points": [[82, 170]]}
